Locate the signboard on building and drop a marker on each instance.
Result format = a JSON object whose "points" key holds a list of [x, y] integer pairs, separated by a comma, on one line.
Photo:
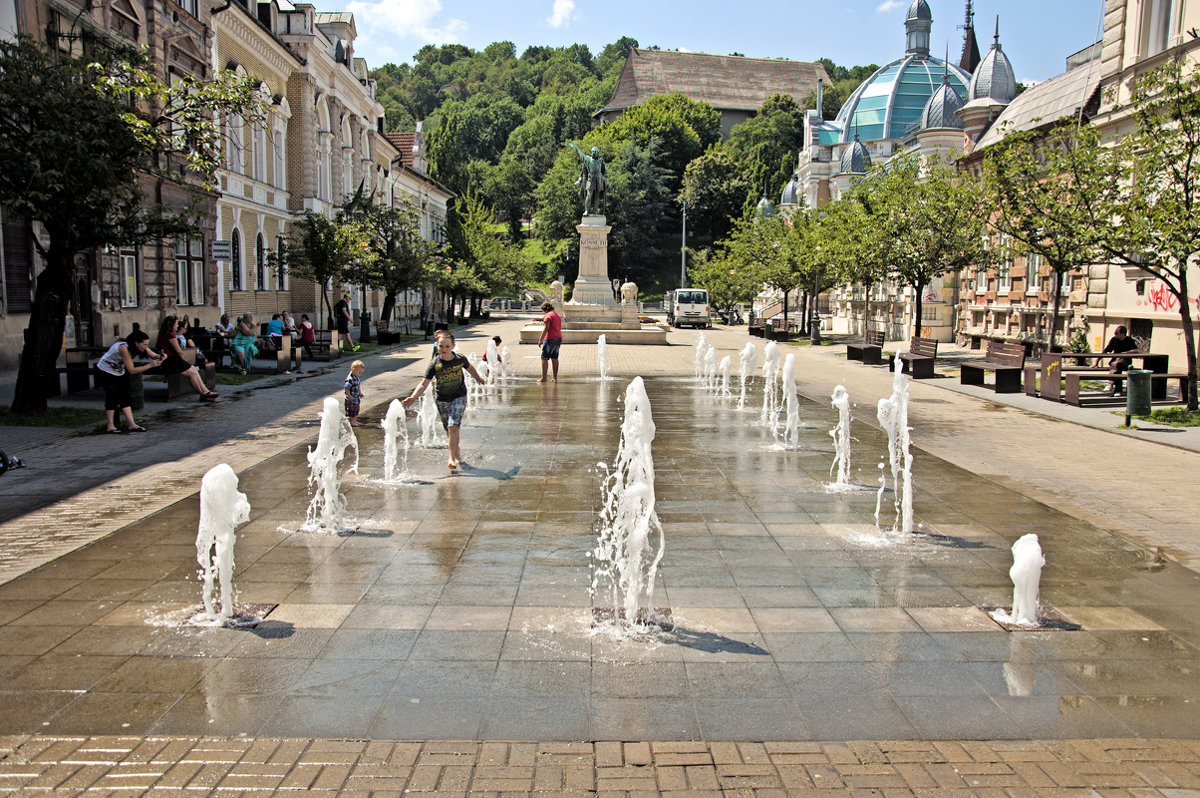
{"points": [[222, 250]]}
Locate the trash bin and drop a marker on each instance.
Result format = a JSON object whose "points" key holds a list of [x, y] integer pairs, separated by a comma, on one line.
{"points": [[1137, 399], [769, 331]]}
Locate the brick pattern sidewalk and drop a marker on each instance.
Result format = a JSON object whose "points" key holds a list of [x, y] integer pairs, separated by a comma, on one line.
{"points": [[206, 765]]}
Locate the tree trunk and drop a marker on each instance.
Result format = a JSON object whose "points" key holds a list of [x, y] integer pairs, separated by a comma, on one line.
{"points": [[785, 298], [814, 323], [389, 304], [804, 313], [919, 289], [1054, 312], [43, 337], [1189, 338]]}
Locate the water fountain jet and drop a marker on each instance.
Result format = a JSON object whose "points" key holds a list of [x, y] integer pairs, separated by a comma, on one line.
{"points": [[327, 509]]}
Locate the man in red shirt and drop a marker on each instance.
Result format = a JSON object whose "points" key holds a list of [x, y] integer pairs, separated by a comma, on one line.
{"points": [[550, 339]]}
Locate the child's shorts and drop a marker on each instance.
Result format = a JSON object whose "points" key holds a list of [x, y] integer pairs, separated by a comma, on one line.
{"points": [[451, 412], [352, 407]]}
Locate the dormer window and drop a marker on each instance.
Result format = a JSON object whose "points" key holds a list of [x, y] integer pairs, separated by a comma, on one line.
{"points": [[125, 20]]}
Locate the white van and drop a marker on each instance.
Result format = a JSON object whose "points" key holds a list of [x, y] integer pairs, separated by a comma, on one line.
{"points": [[688, 306]]}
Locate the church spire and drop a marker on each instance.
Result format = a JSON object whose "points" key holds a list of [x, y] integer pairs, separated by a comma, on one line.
{"points": [[970, 52]]}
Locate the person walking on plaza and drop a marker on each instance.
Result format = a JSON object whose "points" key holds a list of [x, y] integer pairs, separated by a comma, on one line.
{"points": [[353, 390], [341, 315], [450, 392], [115, 366], [550, 339]]}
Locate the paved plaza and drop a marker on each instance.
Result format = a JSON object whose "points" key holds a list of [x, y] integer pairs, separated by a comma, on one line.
{"points": [[446, 641]]}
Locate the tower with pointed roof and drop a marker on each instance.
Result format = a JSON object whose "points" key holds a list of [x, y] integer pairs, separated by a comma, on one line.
{"points": [[970, 52], [993, 87]]}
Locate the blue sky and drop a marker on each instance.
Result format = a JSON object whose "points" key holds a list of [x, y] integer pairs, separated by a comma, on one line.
{"points": [[1036, 34]]}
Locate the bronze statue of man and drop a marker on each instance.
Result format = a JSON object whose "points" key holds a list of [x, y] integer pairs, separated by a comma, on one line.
{"points": [[593, 181]]}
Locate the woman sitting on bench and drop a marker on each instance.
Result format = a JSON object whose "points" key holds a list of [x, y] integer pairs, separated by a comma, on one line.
{"points": [[173, 363], [243, 346]]}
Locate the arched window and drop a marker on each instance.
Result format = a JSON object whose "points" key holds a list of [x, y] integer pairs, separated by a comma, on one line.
{"points": [[235, 261], [234, 144], [260, 264]]}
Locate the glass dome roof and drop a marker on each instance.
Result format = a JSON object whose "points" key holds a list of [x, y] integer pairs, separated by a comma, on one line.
{"points": [[894, 97]]}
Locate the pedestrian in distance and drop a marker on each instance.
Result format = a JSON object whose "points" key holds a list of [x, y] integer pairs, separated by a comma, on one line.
{"points": [[115, 366], [448, 372], [353, 391], [1119, 343], [341, 316], [550, 339]]}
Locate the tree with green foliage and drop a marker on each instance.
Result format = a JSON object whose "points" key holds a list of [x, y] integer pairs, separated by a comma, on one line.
{"points": [[73, 148], [639, 203], [496, 266], [1030, 181], [924, 219], [727, 282], [1145, 209], [399, 252], [683, 127], [759, 247], [766, 145], [330, 252], [715, 188]]}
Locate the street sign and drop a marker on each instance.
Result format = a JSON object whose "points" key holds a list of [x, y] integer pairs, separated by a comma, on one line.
{"points": [[222, 250]]}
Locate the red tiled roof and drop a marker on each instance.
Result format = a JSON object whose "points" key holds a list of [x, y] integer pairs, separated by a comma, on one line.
{"points": [[403, 142]]}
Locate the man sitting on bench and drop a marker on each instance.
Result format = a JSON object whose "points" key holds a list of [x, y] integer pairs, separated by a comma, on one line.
{"points": [[1120, 342]]}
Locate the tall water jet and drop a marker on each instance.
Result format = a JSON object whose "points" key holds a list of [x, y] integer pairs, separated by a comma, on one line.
{"points": [[1026, 573], [222, 508], [770, 372], [505, 364], [710, 368], [747, 365], [631, 541], [493, 362], [327, 509], [791, 404], [432, 435], [395, 430], [602, 356], [893, 417], [723, 369], [841, 439], [698, 357]]}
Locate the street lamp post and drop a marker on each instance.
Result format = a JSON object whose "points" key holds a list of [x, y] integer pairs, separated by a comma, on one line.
{"points": [[683, 249]]}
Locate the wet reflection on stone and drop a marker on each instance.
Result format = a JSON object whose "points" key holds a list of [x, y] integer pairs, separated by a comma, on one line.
{"points": [[460, 606]]}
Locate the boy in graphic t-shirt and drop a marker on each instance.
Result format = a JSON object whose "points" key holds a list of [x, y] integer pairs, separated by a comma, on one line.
{"points": [[447, 372]]}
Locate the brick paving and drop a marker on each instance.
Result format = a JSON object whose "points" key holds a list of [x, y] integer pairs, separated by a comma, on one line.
{"points": [[1106, 768], [1077, 466]]}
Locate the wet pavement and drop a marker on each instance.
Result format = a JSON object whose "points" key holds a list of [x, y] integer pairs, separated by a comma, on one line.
{"points": [[457, 607]]}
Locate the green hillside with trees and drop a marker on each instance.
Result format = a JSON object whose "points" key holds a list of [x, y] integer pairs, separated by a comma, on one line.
{"points": [[497, 125]]}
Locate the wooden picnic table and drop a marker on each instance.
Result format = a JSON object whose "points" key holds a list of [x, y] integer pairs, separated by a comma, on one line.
{"points": [[1052, 370]]}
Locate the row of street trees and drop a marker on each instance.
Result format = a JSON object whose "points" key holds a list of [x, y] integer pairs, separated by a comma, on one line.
{"points": [[1062, 194]]}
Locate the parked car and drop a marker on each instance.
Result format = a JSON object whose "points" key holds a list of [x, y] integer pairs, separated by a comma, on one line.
{"points": [[497, 302]]}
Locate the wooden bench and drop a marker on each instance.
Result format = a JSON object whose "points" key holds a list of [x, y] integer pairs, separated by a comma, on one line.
{"points": [[918, 360], [178, 385], [1038, 373], [1004, 358], [279, 348], [870, 351], [1073, 395], [321, 348]]}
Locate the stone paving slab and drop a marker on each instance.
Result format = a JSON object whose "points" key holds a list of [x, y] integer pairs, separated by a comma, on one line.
{"points": [[90, 765]]}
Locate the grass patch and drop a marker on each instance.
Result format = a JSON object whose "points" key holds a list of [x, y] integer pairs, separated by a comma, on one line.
{"points": [[1173, 417], [233, 378], [53, 417]]}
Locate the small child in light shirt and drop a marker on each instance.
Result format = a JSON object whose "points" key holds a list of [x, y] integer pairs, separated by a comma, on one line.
{"points": [[354, 392]]}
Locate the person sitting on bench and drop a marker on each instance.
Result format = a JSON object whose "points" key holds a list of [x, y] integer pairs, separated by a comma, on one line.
{"points": [[173, 362], [1120, 342], [243, 347]]}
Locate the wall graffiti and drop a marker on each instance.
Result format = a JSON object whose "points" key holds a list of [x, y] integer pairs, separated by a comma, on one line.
{"points": [[1161, 299]]}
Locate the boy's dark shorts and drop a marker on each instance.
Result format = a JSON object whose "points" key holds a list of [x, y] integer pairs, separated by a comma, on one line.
{"points": [[550, 348]]}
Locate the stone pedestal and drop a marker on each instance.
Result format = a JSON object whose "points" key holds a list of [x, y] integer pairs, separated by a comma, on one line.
{"points": [[593, 286]]}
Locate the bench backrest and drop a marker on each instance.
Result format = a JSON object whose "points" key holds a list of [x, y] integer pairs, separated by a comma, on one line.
{"points": [[873, 338], [1009, 354], [925, 347]]}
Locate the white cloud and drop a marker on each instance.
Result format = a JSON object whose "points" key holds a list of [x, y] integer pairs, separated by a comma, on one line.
{"points": [[387, 29], [888, 5], [562, 13]]}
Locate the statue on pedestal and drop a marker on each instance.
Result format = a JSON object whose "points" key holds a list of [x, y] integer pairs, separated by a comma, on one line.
{"points": [[592, 182]]}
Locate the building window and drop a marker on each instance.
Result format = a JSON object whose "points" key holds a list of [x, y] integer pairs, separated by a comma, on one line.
{"points": [[17, 255], [190, 6], [281, 277], [1004, 267], [280, 172], [189, 271], [1160, 24], [235, 262], [129, 278], [1033, 273], [981, 281], [233, 153], [260, 264], [1065, 282], [259, 156]]}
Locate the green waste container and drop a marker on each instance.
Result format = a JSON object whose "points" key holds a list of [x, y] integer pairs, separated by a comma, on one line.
{"points": [[1137, 398], [769, 331]]}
